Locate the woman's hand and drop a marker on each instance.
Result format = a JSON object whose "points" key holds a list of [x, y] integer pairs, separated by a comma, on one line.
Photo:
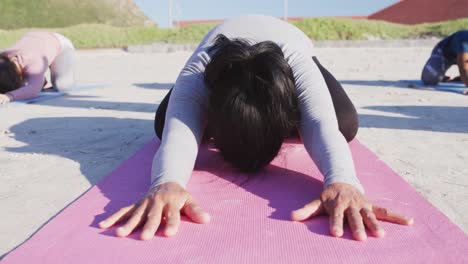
{"points": [[340, 201], [165, 204], [4, 99], [462, 61]]}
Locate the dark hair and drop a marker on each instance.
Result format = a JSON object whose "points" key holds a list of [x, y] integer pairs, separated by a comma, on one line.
{"points": [[10, 78], [252, 103]]}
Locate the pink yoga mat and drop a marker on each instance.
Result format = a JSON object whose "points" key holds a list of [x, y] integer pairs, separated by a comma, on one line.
{"points": [[250, 219]]}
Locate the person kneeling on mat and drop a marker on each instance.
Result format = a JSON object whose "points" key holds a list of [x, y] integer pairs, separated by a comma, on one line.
{"points": [[252, 81], [449, 51], [23, 66]]}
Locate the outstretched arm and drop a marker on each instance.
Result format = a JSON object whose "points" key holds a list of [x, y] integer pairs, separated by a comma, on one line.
{"points": [[319, 126], [173, 162], [32, 87], [343, 195]]}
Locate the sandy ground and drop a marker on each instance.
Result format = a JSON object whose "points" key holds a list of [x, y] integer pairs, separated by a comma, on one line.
{"points": [[52, 152]]}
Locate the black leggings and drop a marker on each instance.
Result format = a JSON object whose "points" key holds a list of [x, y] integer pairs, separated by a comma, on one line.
{"points": [[346, 114]]}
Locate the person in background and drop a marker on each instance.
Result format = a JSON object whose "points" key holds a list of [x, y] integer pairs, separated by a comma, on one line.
{"points": [[449, 51], [23, 66]]}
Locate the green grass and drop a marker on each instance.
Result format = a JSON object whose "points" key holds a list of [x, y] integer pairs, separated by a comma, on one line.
{"points": [[444, 28], [107, 36], [17, 14], [361, 29], [351, 29]]}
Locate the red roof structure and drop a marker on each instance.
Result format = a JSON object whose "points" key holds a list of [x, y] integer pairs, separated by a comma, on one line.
{"points": [[423, 11], [184, 23], [403, 12]]}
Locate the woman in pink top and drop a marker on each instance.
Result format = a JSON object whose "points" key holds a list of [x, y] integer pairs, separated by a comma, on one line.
{"points": [[23, 66]]}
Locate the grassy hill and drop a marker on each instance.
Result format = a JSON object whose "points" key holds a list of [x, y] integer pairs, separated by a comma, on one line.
{"points": [[109, 36], [17, 14], [363, 29]]}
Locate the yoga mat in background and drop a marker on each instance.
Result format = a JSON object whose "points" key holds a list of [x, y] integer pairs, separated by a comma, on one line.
{"points": [[43, 96], [250, 219], [454, 87]]}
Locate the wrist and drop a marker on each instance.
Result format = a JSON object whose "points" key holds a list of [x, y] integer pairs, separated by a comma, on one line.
{"points": [[356, 184], [10, 97], [165, 186]]}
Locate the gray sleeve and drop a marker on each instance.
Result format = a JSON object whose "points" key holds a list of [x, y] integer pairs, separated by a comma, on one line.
{"points": [[184, 125], [319, 126], [186, 113]]}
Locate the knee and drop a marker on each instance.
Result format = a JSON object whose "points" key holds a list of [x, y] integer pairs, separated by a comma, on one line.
{"points": [[158, 130], [159, 121], [430, 77], [349, 128], [64, 84], [434, 71]]}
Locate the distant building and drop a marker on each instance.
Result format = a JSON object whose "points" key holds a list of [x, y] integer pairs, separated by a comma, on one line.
{"points": [[403, 12], [423, 11], [184, 23]]}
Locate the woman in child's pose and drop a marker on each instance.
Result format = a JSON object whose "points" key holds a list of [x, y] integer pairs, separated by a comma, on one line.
{"points": [[23, 66], [252, 81]]}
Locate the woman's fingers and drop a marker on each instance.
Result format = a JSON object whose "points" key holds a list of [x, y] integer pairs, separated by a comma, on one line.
{"points": [[371, 222], [196, 213], [355, 224], [135, 220], [149, 212], [336, 222], [153, 220], [172, 221], [119, 216], [309, 210], [389, 216]]}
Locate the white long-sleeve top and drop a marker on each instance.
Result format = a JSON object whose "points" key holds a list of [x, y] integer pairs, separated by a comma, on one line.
{"points": [[186, 115]]}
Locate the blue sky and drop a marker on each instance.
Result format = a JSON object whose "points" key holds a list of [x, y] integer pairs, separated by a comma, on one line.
{"points": [[219, 9]]}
